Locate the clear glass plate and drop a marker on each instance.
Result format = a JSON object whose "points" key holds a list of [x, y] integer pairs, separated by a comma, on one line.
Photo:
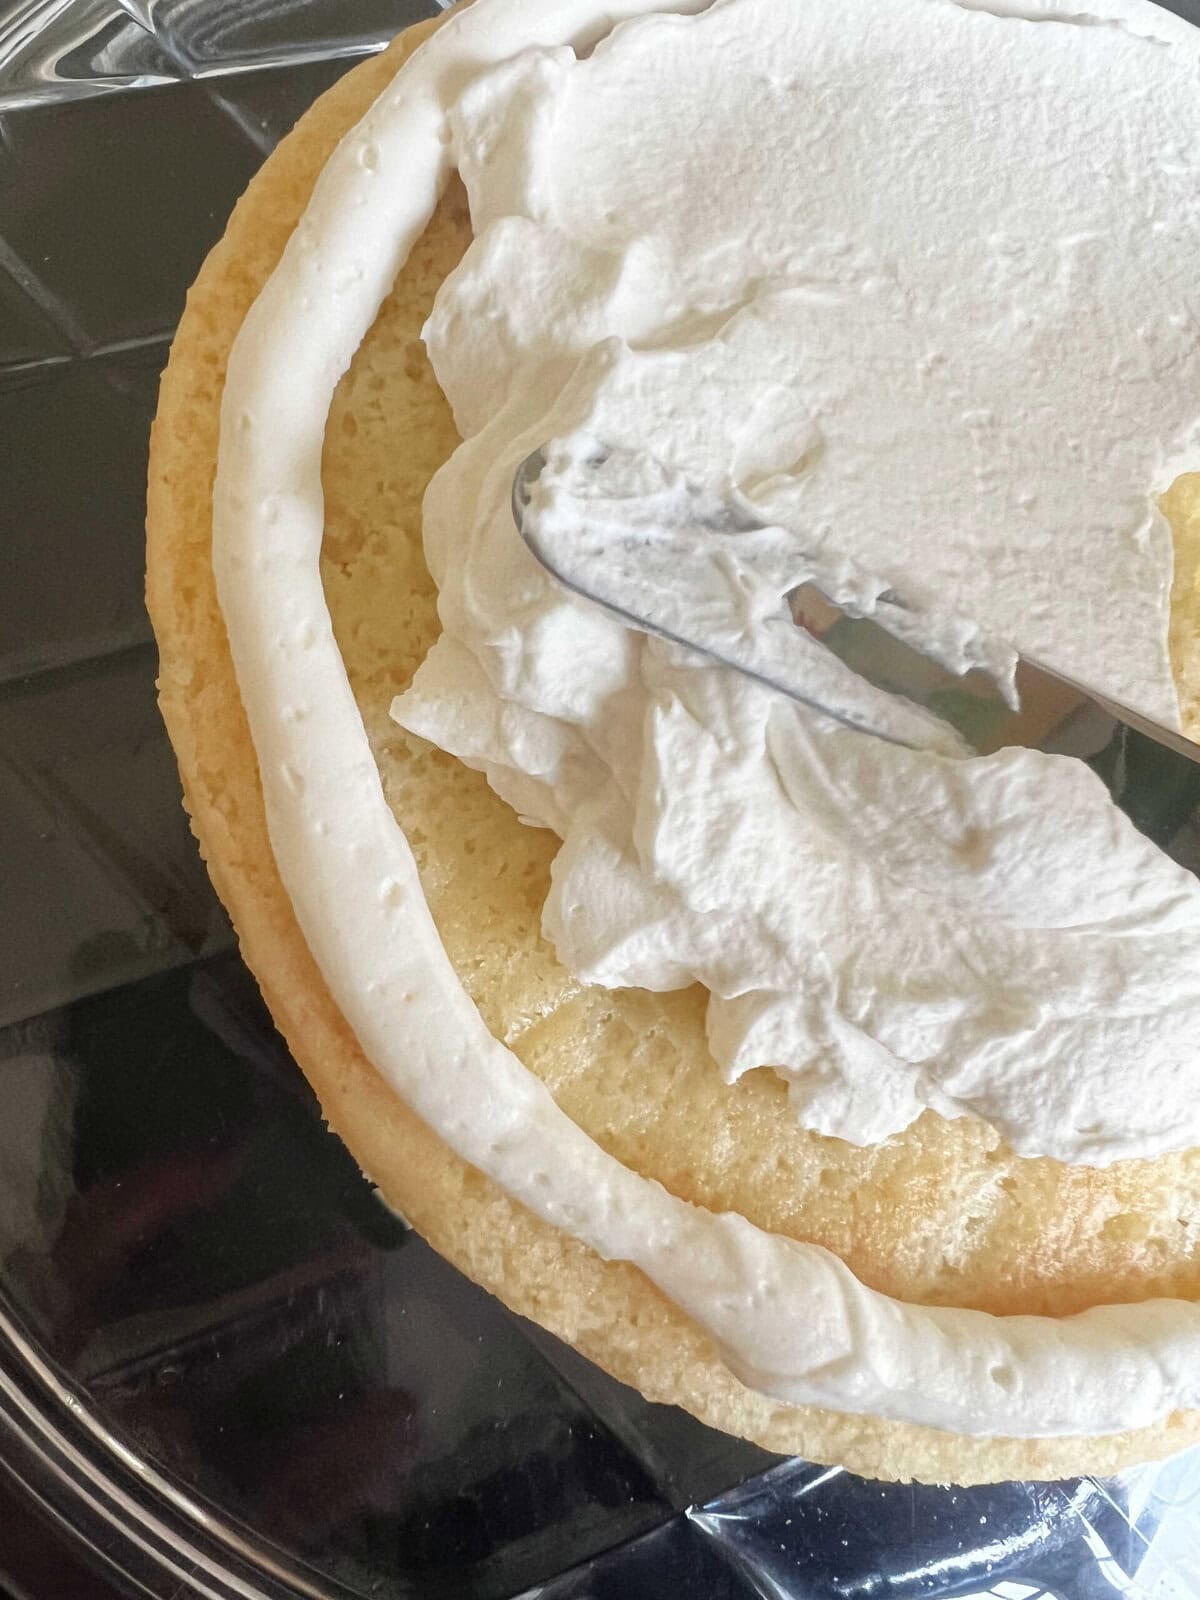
{"points": [[225, 1368]]}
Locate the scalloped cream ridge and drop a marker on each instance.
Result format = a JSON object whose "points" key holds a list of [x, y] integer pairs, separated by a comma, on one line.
{"points": [[790, 1319]]}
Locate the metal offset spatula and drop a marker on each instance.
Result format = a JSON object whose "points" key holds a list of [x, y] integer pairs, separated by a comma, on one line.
{"points": [[1152, 771]]}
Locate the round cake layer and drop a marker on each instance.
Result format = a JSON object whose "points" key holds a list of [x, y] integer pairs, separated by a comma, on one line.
{"points": [[941, 1215]]}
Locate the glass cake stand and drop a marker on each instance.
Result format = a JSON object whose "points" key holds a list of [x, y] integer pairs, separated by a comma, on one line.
{"points": [[225, 1368]]}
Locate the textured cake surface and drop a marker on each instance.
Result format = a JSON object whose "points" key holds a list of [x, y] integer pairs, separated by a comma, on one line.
{"points": [[943, 1214]]}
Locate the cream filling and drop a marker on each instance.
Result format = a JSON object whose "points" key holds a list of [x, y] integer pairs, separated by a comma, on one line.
{"points": [[854, 318], [790, 1319]]}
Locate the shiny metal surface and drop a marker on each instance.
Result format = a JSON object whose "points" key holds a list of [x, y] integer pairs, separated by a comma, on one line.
{"points": [[224, 1367], [1053, 712]]}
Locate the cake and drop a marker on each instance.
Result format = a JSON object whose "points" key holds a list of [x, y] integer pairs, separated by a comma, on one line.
{"points": [[943, 1257]]}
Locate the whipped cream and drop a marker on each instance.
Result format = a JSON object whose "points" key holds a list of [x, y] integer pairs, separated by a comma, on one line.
{"points": [[789, 1318], [901, 325]]}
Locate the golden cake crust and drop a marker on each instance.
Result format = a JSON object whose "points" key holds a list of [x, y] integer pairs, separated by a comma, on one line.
{"points": [[943, 1214]]}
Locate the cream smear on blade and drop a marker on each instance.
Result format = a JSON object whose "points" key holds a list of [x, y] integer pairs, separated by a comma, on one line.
{"points": [[790, 1318]]}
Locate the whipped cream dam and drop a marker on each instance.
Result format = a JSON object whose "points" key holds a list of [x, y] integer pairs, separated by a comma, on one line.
{"points": [[883, 307], [900, 321]]}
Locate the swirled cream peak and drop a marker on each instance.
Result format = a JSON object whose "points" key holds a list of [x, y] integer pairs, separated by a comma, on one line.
{"points": [[788, 1317], [918, 280]]}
